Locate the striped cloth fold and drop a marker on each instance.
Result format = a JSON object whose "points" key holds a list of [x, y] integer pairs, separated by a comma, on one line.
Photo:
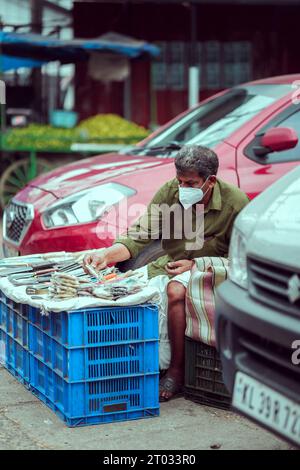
{"points": [[207, 274]]}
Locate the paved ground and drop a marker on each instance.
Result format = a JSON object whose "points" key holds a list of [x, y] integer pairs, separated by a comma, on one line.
{"points": [[26, 423]]}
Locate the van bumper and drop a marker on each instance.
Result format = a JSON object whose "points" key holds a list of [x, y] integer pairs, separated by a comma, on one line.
{"points": [[254, 339]]}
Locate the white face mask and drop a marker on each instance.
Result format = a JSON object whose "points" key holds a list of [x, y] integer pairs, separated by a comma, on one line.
{"points": [[189, 196]]}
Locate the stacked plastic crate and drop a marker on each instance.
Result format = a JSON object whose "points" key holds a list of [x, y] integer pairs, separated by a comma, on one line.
{"points": [[14, 353], [203, 375], [89, 366]]}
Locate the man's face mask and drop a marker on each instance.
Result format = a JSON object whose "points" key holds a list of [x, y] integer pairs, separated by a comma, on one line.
{"points": [[190, 196]]}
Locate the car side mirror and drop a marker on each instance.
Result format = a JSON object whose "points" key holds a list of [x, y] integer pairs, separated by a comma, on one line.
{"points": [[276, 139]]}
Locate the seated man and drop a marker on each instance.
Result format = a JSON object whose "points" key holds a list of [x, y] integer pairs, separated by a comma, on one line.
{"points": [[193, 216]]}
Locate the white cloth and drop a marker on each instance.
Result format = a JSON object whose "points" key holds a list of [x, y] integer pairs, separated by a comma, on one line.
{"points": [[18, 294], [182, 278], [155, 292]]}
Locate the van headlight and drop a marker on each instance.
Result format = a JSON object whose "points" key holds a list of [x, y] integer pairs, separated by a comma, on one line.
{"points": [[85, 206], [238, 259]]}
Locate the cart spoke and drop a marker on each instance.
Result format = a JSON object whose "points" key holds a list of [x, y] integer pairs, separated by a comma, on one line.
{"points": [[16, 176], [20, 173], [17, 183], [9, 188]]}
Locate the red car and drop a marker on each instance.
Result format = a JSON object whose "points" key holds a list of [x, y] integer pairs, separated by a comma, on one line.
{"points": [[84, 205]]}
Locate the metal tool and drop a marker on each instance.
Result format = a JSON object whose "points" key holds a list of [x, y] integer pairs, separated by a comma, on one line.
{"points": [[92, 271], [19, 261], [8, 271], [22, 282], [37, 297], [29, 281], [33, 274], [37, 290], [29, 268], [69, 265]]}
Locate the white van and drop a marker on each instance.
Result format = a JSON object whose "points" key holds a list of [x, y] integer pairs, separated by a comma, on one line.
{"points": [[258, 310]]}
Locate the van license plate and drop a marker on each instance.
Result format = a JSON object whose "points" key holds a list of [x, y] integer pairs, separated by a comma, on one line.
{"points": [[267, 406]]}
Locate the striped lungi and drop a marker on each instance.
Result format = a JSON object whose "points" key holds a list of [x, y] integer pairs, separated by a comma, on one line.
{"points": [[207, 274]]}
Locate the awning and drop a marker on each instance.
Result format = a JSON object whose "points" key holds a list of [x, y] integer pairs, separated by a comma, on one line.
{"points": [[43, 49], [13, 63]]}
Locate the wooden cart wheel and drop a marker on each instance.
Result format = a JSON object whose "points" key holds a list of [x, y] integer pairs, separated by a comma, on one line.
{"points": [[16, 176]]}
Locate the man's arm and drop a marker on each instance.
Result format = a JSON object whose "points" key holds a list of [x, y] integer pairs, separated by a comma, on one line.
{"points": [[148, 226], [143, 232]]}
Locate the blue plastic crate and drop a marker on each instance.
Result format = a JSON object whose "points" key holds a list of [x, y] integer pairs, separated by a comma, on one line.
{"points": [[2, 304], [1, 314], [96, 362], [20, 309], [99, 326], [6, 304], [91, 366], [3, 310], [95, 402], [13, 323], [2, 347], [14, 357]]}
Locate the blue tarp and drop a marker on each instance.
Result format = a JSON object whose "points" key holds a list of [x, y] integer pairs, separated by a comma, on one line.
{"points": [[44, 49], [13, 63]]}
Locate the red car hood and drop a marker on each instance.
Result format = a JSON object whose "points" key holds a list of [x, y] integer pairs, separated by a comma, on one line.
{"points": [[91, 172]]}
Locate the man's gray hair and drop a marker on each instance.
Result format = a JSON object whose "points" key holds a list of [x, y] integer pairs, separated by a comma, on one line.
{"points": [[196, 158]]}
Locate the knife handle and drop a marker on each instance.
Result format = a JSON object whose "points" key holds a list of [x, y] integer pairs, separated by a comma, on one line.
{"points": [[44, 271]]}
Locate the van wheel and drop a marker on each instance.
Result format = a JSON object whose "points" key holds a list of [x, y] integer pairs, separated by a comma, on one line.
{"points": [[150, 253]]}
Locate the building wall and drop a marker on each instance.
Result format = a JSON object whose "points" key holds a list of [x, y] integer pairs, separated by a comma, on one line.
{"points": [[16, 15], [233, 44]]}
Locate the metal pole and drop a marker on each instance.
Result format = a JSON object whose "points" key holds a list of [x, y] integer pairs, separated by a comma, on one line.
{"points": [[57, 101], [194, 82], [153, 102], [193, 85], [2, 101], [36, 7], [127, 96], [32, 171]]}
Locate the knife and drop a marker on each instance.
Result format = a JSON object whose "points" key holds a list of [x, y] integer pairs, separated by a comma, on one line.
{"points": [[33, 274], [29, 281]]}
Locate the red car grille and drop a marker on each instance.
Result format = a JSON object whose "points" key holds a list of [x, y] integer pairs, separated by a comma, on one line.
{"points": [[17, 218]]}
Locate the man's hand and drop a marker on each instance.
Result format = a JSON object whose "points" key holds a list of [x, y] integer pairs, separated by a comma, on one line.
{"points": [[179, 267], [100, 259], [96, 260]]}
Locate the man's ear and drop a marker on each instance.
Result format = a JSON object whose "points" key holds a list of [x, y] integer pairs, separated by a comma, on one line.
{"points": [[212, 181]]}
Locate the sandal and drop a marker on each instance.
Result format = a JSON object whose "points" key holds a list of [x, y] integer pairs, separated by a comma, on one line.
{"points": [[168, 384]]}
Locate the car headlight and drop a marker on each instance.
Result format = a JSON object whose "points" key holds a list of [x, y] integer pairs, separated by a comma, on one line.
{"points": [[238, 259], [85, 206]]}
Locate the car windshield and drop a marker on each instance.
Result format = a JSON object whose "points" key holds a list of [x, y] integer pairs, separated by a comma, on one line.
{"points": [[213, 122]]}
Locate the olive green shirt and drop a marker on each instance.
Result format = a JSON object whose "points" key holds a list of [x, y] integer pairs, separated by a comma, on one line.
{"points": [[224, 205]]}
